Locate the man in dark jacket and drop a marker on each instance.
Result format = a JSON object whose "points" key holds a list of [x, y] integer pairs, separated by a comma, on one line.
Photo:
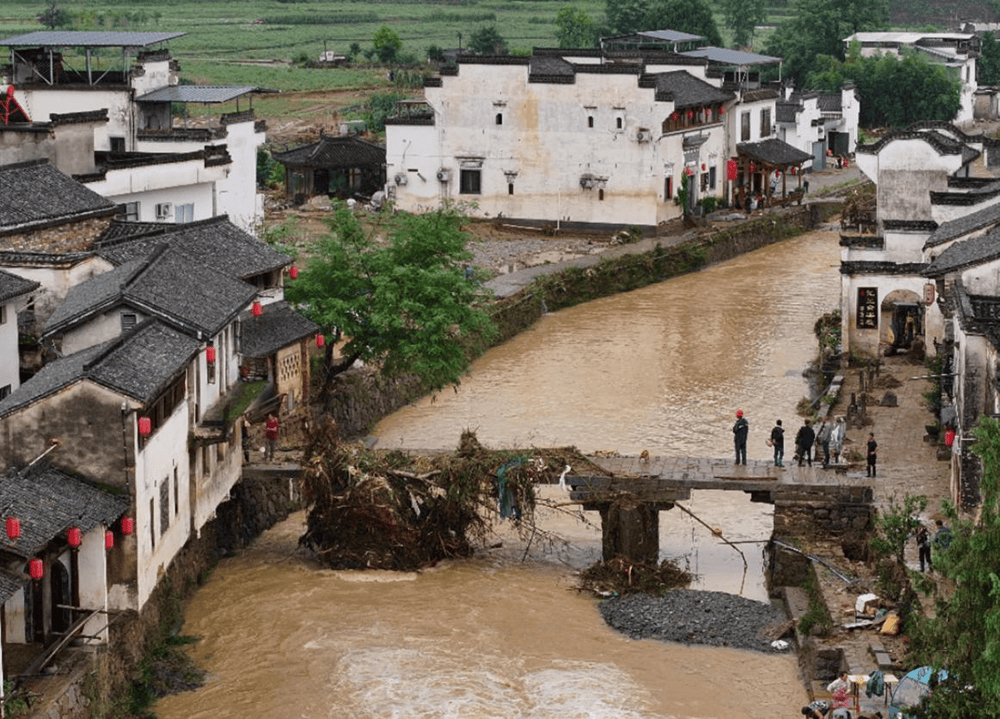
{"points": [[778, 442], [740, 431], [804, 442]]}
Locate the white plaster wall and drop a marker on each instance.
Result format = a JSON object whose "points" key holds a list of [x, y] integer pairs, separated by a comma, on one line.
{"points": [[544, 146], [188, 179], [200, 195], [41, 102], [156, 460], [982, 279], [211, 487], [866, 341], [92, 561], [902, 247], [14, 616], [947, 213], [102, 328], [9, 359], [55, 281], [157, 74]]}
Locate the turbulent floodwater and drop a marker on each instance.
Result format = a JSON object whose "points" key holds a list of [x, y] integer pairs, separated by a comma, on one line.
{"points": [[663, 369]]}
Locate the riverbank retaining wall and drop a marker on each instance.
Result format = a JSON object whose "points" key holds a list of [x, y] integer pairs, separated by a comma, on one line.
{"points": [[360, 397], [103, 677]]}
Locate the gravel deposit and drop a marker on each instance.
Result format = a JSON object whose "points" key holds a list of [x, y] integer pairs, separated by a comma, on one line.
{"points": [[693, 617], [501, 255]]}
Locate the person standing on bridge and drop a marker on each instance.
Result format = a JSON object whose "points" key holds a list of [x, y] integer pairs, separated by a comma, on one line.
{"points": [[740, 431], [271, 428], [804, 439], [778, 442], [823, 440]]}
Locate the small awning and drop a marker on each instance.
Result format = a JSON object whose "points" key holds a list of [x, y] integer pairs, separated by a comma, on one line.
{"points": [[208, 94], [72, 38], [774, 152], [738, 58]]}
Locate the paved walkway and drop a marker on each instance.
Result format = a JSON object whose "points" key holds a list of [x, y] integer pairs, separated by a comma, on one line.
{"points": [[513, 282], [906, 465]]}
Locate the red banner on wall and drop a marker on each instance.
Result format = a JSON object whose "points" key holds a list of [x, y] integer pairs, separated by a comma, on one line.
{"points": [[731, 170]]}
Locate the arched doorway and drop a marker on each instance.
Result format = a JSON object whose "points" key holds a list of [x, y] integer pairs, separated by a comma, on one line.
{"points": [[62, 596], [901, 320]]}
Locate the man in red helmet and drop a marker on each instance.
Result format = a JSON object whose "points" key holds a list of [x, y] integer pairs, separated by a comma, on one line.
{"points": [[740, 431]]}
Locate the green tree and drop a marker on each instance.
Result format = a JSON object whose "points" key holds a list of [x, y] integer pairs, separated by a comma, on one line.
{"points": [[387, 43], [742, 17], [893, 91], [626, 16], [406, 304], [53, 17], [690, 16], [380, 106], [988, 65], [895, 524], [818, 28], [576, 29], [487, 40], [963, 636]]}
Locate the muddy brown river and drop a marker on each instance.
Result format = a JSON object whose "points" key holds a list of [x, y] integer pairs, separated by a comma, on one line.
{"points": [[663, 369]]}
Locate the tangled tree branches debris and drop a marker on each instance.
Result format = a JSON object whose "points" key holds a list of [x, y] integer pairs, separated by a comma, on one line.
{"points": [[620, 576], [387, 510], [859, 210]]}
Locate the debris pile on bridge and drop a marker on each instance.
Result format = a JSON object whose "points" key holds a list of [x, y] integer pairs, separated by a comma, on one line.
{"points": [[387, 510]]}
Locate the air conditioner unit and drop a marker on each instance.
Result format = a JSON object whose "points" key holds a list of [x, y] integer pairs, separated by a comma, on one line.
{"points": [[444, 175], [644, 135], [399, 179], [163, 210]]}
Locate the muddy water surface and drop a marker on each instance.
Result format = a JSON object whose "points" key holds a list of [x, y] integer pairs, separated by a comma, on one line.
{"points": [[662, 369]]}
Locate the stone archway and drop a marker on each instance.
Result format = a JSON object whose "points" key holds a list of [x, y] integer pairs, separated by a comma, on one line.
{"points": [[901, 319]]}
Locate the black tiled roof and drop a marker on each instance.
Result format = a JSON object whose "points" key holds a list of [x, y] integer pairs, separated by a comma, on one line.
{"points": [[278, 326], [216, 242], [686, 90], [48, 502], [544, 67], [774, 151], [967, 252], [830, 102], [169, 284], [36, 192], [138, 365], [12, 286], [334, 152], [786, 111], [965, 225]]}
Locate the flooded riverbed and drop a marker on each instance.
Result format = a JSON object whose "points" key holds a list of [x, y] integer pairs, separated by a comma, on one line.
{"points": [[663, 369]]}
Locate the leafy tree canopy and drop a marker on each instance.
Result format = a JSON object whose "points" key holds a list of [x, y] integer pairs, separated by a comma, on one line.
{"points": [[405, 303], [988, 66], [387, 43], [690, 16], [893, 91], [54, 17], [742, 17], [576, 29], [819, 28], [487, 40], [964, 634]]}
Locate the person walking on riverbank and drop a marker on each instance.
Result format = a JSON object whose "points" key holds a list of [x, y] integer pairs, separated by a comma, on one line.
{"points": [[740, 431], [872, 454], [804, 439], [778, 442]]}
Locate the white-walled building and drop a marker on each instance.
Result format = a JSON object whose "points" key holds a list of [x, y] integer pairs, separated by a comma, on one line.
{"points": [[137, 99], [819, 123], [14, 292]]}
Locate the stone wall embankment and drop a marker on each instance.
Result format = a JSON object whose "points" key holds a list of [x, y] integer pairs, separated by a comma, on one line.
{"points": [[254, 505]]}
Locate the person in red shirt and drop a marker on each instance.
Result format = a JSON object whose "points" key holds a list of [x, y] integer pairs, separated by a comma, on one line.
{"points": [[270, 437]]}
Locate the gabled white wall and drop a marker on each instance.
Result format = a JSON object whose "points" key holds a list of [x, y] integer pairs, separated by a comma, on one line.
{"points": [[55, 279], [9, 358], [41, 102]]}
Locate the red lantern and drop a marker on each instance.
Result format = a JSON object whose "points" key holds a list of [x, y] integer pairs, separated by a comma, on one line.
{"points": [[722, 110], [13, 527], [128, 525], [703, 167], [688, 171], [949, 436], [690, 114], [674, 117], [109, 540], [793, 170], [257, 309], [36, 569], [320, 340], [145, 426], [752, 168], [293, 272], [74, 536], [210, 353]]}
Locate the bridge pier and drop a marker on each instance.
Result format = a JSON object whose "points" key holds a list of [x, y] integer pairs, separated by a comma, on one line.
{"points": [[632, 531]]}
